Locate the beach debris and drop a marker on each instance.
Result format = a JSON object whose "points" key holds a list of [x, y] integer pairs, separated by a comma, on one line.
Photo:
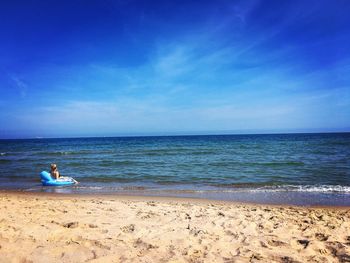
{"points": [[256, 256], [71, 225], [304, 242], [221, 213], [194, 231]]}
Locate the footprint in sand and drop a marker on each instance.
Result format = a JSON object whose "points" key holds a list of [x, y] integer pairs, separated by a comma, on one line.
{"points": [[230, 233], [321, 237], [348, 240], [128, 229], [100, 245], [288, 260], [143, 246], [256, 257], [276, 243]]}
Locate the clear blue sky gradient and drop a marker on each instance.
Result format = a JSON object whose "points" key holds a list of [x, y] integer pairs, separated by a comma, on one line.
{"points": [[104, 68]]}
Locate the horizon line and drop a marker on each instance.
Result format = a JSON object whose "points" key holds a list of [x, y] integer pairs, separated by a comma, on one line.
{"points": [[176, 135]]}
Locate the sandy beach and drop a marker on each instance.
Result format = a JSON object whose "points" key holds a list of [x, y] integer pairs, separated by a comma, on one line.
{"points": [[82, 228]]}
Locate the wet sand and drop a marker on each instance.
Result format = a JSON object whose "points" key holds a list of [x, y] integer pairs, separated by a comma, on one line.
{"points": [[89, 228]]}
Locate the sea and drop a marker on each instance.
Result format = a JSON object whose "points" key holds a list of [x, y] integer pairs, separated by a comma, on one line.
{"points": [[292, 169]]}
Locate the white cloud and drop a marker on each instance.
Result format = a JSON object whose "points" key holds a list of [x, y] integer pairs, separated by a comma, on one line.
{"points": [[127, 115]]}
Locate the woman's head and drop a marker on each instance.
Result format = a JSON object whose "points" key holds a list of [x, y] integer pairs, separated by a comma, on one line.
{"points": [[53, 167]]}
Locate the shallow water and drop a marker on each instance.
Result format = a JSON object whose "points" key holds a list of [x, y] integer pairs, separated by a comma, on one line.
{"points": [[279, 168]]}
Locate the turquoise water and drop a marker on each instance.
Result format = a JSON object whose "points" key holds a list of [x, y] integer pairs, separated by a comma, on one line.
{"points": [[301, 168]]}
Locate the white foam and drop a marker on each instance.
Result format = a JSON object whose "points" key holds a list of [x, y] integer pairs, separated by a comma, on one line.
{"points": [[304, 188]]}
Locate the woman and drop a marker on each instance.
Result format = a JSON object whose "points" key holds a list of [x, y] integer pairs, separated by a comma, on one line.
{"points": [[54, 172], [56, 175]]}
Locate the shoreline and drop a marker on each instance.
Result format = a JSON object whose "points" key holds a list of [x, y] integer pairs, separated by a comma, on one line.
{"points": [[177, 199]]}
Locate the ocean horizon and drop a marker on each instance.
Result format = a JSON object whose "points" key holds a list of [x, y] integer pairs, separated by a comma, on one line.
{"points": [[288, 168], [180, 134]]}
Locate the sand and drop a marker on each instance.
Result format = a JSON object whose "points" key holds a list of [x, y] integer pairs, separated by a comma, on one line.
{"points": [[65, 228]]}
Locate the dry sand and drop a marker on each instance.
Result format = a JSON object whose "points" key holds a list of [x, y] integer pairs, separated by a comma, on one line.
{"points": [[51, 228]]}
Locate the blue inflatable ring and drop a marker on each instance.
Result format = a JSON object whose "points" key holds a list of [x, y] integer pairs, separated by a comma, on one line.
{"points": [[47, 180]]}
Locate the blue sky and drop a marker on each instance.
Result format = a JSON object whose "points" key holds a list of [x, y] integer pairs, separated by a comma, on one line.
{"points": [[104, 68]]}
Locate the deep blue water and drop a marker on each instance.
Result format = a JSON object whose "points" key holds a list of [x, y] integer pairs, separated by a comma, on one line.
{"points": [[301, 168]]}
